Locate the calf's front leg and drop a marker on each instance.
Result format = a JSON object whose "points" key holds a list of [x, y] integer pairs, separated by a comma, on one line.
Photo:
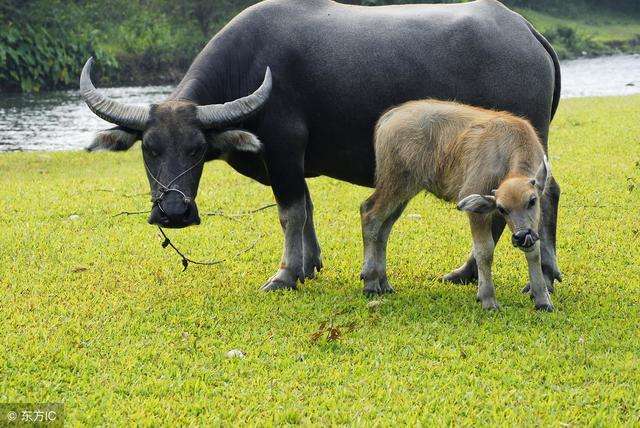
{"points": [[537, 281], [483, 248]]}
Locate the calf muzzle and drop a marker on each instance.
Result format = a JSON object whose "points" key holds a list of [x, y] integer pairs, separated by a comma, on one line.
{"points": [[524, 239]]}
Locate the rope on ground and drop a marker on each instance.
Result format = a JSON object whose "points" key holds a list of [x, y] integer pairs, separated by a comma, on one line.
{"points": [[186, 260]]}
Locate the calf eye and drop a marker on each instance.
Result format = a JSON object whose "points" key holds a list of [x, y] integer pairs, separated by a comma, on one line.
{"points": [[501, 210], [532, 202]]}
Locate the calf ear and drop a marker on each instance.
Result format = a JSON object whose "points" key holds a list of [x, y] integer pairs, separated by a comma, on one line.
{"points": [[543, 175], [235, 139], [479, 204], [114, 139]]}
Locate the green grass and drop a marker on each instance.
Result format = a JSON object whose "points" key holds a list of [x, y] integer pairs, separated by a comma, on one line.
{"points": [[602, 25], [581, 31], [131, 338]]}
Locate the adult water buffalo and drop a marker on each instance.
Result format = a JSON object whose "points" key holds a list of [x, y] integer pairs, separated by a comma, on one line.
{"points": [[328, 71]]}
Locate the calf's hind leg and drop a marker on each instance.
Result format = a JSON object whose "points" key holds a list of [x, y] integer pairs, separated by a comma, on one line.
{"points": [[378, 214], [381, 251]]}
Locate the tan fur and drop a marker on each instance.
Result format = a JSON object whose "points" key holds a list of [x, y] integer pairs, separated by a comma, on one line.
{"points": [[460, 154], [451, 150]]}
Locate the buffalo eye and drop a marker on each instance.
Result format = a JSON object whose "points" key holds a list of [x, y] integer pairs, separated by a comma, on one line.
{"points": [[502, 210], [532, 202], [150, 150], [193, 152]]}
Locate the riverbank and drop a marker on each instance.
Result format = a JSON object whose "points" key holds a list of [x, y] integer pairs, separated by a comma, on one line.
{"points": [[59, 120], [98, 316], [587, 32]]}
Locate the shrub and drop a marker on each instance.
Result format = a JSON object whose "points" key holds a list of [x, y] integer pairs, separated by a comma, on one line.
{"points": [[568, 42]]}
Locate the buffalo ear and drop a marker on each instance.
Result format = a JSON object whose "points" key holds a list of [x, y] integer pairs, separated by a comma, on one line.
{"points": [[235, 139], [543, 175], [114, 139], [479, 204]]}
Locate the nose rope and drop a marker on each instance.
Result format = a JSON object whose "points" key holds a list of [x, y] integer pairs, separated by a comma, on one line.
{"points": [[167, 188], [167, 242]]}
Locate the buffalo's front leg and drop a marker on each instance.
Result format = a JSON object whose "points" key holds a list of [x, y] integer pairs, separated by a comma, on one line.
{"points": [[292, 219], [312, 259], [284, 159]]}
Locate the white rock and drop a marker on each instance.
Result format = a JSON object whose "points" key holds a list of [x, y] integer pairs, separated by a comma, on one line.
{"points": [[374, 305], [235, 353], [414, 216], [74, 217]]}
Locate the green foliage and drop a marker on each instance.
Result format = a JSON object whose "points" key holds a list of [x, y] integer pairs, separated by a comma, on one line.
{"points": [[43, 43], [98, 316], [151, 45], [36, 58], [567, 8], [134, 41], [567, 41]]}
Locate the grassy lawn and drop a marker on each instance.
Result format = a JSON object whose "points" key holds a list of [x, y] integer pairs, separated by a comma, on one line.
{"points": [[97, 315]]}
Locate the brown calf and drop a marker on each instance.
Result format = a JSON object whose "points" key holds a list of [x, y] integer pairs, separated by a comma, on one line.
{"points": [[459, 153]]}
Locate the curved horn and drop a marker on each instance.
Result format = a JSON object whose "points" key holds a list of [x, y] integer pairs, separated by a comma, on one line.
{"points": [[132, 117], [221, 115]]}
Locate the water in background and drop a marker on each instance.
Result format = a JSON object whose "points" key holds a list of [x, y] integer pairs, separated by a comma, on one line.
{"points": [[61, 121], [599, 77]]}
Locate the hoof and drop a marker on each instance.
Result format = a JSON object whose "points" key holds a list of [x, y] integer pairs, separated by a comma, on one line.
{"points": [[527, 289], [458, 277], [386, 287], [546, 307], [490, 305], [372, 288], [278, 284], [312, 266], [376, 287]]}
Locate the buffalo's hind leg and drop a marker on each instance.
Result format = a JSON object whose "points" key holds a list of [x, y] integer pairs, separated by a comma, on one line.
{"points": [[468, 272], [548, 227], [312, 258]]}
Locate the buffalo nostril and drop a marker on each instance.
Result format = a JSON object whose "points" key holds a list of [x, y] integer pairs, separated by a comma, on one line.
{"points": [[156, 216]]}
